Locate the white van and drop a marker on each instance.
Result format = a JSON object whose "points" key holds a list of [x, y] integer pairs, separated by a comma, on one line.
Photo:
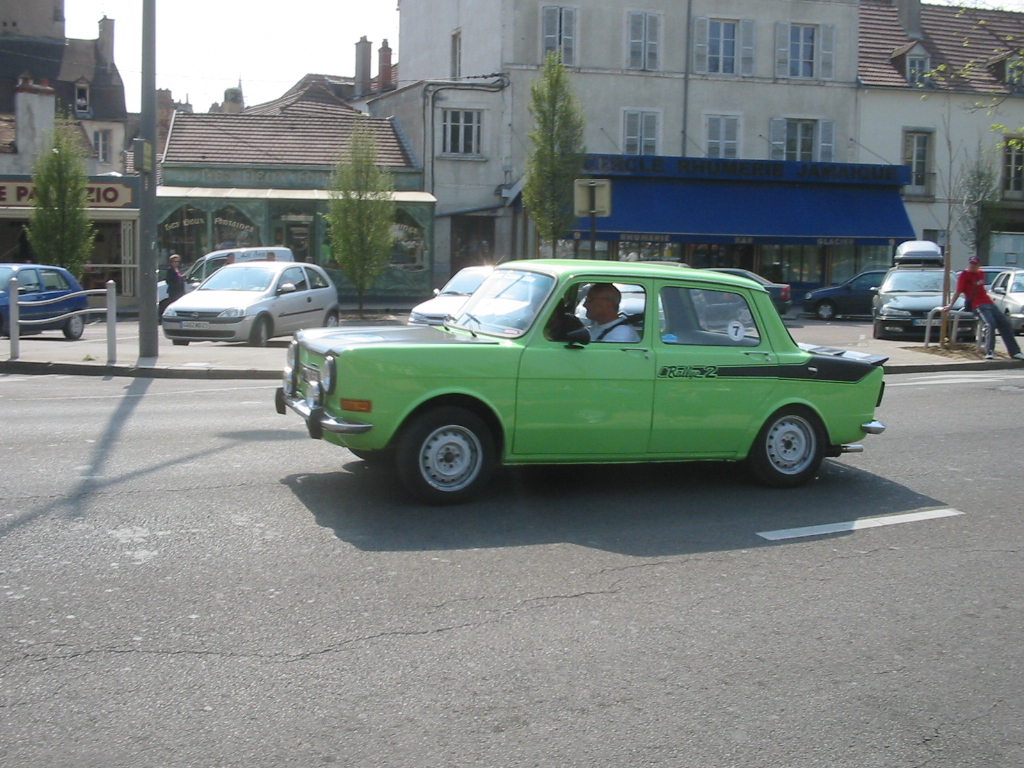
{"points": [[206, 265]]}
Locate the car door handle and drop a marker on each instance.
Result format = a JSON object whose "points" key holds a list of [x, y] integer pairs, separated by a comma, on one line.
{"points": [[767, 355]]}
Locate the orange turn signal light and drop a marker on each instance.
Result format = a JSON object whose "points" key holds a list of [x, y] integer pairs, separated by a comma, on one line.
{"points": [[359, 406]]}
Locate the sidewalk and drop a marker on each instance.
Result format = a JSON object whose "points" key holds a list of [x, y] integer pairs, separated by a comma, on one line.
{"points": [[50, 353]]}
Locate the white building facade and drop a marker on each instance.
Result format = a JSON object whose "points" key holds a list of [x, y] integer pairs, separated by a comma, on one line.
{"points": [[722, 80]]}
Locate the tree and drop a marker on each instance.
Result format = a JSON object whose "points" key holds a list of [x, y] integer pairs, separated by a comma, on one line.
{"points": [[59, 228], [555, 157], [977, 185], [361, 213]]}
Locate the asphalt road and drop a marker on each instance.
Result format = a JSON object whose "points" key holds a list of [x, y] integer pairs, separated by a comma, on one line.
{"points": [[188, 580]]}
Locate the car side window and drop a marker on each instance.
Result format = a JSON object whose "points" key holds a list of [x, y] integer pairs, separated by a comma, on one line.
{"points": [[704, 317], [316, 278], [866, 281], [1018, 284], [54, 281], [28, 281], [612, 312], [295, 276]]}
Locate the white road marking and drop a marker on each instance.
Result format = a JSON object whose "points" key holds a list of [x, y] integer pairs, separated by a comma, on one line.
{"points": [[856, 525]]}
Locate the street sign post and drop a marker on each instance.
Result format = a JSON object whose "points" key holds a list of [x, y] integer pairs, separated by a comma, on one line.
{"points": [[593, 198]]}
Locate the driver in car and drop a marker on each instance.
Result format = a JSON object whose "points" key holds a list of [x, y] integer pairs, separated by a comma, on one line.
{"points": [[602, 306]]}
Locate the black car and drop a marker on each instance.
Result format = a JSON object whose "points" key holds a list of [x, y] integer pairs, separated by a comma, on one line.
{"points": [[779, 292], [854, 297]]}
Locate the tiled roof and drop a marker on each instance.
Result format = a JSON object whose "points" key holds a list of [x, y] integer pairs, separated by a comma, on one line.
{"points": [[961, 43], [106, 89], [310, 96], [300, 138]]}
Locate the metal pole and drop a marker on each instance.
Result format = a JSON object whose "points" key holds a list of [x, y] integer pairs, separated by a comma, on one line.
{"points": [[149, 339], [111, 322], [593, 221], [13, 320]]}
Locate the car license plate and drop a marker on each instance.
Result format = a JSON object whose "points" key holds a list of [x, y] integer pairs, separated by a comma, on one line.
{"points": [[935, 322], [195, 325]]}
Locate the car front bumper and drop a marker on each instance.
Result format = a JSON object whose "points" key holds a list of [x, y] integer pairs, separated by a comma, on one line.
{"points": [[317, 421], [207, 329]]}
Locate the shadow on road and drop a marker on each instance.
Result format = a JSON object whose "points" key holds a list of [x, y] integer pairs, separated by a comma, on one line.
{"points": [[643, 510]]}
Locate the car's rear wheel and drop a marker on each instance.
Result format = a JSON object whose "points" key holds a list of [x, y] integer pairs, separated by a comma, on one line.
{"points": [[74, 328], [260, 333], [331, 321], [825, 310], [789, 448], [445, 455]]}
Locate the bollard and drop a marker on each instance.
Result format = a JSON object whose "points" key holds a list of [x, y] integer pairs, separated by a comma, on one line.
{"points": [[13, 317], [111, 323]]}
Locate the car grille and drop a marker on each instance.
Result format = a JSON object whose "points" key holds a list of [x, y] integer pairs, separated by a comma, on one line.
{"points": [[309, 372], [197, 315]]}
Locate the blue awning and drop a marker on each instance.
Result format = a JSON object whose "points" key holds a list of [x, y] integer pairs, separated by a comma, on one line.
{"points": [[707, 211]]}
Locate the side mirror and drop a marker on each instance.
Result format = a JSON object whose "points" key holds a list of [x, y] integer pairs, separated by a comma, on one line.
{"points": [[286, 288], [437, 291], [577, 337], [874, 289], [1001, 291]]}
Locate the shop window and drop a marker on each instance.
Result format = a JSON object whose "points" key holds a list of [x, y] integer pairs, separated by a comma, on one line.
{"points": [[184, 232], [233, 229]]}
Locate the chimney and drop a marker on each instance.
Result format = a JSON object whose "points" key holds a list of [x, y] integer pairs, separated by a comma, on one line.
{"points": [[910, 17], [364, 52], [34, 110], [105, 43], [384, 68]]}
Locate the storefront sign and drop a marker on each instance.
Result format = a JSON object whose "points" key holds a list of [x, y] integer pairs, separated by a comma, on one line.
{"points": [[745, 170], [99, 194]]}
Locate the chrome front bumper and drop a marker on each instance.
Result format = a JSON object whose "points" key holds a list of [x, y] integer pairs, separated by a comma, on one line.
{"points": [[317, 422]]}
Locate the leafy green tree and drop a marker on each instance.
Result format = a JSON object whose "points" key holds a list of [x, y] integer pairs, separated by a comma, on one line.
{"points": [[361, 212], [59, 229], [556, 151]]}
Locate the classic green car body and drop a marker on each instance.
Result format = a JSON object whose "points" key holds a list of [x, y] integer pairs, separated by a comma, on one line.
{"points": [[712, 368]]}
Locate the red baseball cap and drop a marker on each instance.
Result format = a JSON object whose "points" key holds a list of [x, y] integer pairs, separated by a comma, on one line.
{"points": [[974, 260]]}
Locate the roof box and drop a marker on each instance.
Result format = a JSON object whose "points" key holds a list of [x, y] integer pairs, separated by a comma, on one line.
{"points": [[919, 252]]}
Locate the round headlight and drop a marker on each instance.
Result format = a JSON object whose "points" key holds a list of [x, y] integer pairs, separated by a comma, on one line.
{"points": [[327, 374]]}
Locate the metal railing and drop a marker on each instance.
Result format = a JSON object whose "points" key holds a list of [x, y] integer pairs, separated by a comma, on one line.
{"points": [[956, 314], [15, 322]]}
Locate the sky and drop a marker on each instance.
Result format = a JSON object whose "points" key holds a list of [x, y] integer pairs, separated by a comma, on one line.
{"points": [[205, 46]]}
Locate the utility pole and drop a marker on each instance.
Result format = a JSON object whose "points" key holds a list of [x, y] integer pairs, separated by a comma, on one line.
{"points": [[149, 340]]}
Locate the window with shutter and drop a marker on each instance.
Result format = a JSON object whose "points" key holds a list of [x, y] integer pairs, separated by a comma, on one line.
{"points": [[559, 32]]}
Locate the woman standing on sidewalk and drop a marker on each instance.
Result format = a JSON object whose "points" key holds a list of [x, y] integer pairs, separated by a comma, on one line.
{"points": [[971, 284]]}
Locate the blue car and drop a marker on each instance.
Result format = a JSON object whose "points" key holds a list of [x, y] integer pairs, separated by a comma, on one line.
{"points": [[35, 284], [854, 297]]}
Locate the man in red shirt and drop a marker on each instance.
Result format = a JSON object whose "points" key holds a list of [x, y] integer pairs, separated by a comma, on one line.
{"points": [[971, 284]]}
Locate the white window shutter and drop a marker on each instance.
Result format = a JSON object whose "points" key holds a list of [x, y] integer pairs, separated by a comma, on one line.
{"points": [[569, 37], [653, 31], [826, 141], [700, 45], [782, 49], [636, 41], [746, 47], [828, 48], [777, 139]]}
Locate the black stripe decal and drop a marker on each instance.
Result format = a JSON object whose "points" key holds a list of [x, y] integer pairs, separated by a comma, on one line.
{"points": [[818, 368]]}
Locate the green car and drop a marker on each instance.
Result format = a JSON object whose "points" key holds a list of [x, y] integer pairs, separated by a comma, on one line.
{"points": [[571, 361]]}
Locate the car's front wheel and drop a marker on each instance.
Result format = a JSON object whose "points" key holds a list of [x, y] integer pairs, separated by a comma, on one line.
{"points": [[74, 328], [825, 310], [331, 321], [877, 331], [260, 333], [789, 448], [445, 455]]}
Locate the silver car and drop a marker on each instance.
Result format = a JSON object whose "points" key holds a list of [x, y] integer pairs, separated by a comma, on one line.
{"points": [[1007, 292], [253, 302]]}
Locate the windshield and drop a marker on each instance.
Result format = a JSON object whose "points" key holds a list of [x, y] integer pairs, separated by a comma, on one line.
{"points": [[924, 282], [506, 303], [254, 279], [464, 283]]}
